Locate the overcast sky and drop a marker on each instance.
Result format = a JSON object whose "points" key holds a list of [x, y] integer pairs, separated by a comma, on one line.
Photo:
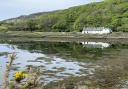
{"points": [[14, 8]]}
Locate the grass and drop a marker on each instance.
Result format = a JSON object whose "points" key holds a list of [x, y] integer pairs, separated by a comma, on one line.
{"points": [[60, 34]]}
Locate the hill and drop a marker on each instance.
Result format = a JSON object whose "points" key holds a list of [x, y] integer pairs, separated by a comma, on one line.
{"points": [[109, 13]]}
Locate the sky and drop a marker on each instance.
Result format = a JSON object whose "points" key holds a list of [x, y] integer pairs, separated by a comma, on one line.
{"points": [[14, 8]]}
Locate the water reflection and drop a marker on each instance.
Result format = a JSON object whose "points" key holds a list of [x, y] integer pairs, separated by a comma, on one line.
{"points": [[53, 67], [60, 59], [95, 45]]}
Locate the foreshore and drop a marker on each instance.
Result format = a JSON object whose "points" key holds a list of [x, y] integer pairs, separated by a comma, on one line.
{"points": [[115, 37]]}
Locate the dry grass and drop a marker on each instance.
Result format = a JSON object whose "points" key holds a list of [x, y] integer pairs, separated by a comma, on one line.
{"points": [[8, 68]]}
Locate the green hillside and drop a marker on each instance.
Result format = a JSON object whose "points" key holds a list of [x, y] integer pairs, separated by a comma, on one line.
{"points": [[109, 13]]}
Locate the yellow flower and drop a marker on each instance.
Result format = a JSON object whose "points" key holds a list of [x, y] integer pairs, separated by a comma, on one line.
{"points": [[19, 75]]}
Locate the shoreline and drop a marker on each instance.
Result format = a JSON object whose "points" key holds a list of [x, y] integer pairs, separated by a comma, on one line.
{"points": [[21, 36], [114, 35]]}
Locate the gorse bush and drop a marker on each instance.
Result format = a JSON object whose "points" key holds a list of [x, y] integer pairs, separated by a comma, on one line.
{"points": [[31, 77], [20, 75]]}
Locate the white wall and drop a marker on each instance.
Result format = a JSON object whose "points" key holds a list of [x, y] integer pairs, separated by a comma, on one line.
{"points": [[105, 31]]}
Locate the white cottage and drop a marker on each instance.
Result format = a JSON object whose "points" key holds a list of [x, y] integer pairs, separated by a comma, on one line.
{"points": [[98, 30]]}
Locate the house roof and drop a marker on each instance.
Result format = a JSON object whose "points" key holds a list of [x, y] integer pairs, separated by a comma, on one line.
{"points": [[93, 29]]}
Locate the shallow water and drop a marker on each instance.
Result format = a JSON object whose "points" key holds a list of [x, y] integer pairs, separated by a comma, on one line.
{"points": [[59, 60]]}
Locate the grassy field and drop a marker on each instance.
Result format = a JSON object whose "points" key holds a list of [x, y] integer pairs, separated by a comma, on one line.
{"points": [[61, 34]]}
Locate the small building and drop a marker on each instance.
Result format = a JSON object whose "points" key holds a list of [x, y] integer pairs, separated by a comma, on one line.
{"points": [[98, 30]]}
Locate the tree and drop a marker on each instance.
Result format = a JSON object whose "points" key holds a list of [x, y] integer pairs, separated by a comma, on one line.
{"points": [[61, 25], [31, 25]]}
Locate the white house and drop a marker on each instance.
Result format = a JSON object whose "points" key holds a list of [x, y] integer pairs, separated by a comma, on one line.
{"points": [[98, 30], [95, 44]]}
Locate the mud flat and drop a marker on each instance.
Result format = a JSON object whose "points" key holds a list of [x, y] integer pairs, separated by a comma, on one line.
{"points": [[115, 37]]}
